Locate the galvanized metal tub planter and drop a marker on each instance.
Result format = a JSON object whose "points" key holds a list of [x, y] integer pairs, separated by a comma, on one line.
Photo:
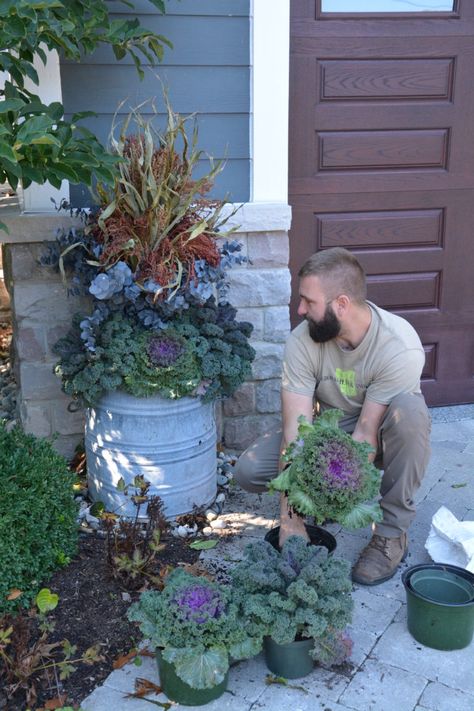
{"points": [[440, 605], [172, 443]]}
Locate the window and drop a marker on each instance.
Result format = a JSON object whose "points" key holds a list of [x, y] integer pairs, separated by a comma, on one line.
{"points": [[354, 6]]}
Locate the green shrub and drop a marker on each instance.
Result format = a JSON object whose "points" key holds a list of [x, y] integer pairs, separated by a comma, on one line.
{"points": [[38, 530]]}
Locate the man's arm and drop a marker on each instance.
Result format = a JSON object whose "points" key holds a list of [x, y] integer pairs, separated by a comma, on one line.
{"points": [[293, 405], [368, 424]]}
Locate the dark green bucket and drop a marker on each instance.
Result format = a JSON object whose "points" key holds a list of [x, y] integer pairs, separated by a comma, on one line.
{"points": [[317, 537], [291, 661], [177, 690], [440, 605]]}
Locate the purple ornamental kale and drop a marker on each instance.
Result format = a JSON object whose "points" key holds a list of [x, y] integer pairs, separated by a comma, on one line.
{"points": [[165, 350], [199, 603], [340, 468]]}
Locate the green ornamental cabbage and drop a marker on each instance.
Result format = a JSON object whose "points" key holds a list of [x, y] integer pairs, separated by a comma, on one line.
{"points": [[195, 623], [328, 474]]}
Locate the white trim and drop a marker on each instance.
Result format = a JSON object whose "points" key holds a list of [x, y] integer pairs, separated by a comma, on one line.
{"points": [[37, 198], [270, 58]]}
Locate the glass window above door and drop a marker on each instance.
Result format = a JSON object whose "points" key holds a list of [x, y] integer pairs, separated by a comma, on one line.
{"points": [[355, 6]]}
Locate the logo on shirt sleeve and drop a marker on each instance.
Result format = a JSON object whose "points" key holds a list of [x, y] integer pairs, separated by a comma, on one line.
{"points": [[346, 382]]}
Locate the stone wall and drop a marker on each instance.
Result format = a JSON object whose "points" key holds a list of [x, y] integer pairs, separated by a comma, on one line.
{"points": [[4, 297], [41, 313], [261, 292]]}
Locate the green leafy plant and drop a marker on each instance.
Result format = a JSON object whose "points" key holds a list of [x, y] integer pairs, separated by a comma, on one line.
{"points": [[296, 593], [133, 545], [36, 142], [328, 474], [37, 515], [195, 623], [149, 257], [203, 351], [26, 657]]}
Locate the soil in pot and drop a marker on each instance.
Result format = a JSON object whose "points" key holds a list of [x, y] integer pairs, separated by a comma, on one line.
{"points": [[318, 537], [177, 690]]}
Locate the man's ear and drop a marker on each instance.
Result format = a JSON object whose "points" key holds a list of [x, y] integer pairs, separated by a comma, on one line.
{"points": [[342, 304]]}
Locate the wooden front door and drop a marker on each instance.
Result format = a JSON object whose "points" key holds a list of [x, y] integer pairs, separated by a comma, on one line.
{"points": [[382, 163]]}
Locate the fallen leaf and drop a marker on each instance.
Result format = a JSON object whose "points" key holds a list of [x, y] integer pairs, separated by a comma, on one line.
{"points": [[204, 545], [125, 659], [270, 679], [56, 703], [458, 486], [14, 594], [145, 652], [196, 570], [145, 686]]}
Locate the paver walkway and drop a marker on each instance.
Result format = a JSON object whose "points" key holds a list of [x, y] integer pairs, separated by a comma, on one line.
{"points": [[390, 670]]}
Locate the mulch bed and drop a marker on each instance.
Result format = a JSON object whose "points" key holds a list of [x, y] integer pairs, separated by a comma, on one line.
{"points": [[91, 611]]}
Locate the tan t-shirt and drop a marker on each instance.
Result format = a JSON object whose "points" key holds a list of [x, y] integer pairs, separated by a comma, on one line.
{"points": [[387, 362]]}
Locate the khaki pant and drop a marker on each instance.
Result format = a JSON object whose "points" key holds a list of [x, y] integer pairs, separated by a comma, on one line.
{"points": [[403, 453]]}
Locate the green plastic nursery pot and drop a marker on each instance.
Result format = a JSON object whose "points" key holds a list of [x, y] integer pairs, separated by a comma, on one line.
{"points": [[177, 690], [440, 605], [318, 537], [292, 661]]}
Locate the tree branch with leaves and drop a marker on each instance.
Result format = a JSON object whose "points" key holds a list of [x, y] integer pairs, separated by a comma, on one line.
{"points": [[37, 144]]}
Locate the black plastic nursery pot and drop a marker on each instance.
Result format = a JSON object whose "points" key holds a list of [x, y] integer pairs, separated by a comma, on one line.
{"points": [[291, 661], [177, 690], [317, 537], [440, 605]]}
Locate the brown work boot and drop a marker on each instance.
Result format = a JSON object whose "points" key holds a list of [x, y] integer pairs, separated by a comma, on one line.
{"points": [[379, 560]]}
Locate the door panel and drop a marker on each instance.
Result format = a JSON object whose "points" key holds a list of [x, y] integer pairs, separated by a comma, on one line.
{"points": [[382, 163]]}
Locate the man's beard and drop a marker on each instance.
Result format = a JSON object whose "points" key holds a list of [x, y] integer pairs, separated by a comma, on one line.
{"points": [[326, 329]]}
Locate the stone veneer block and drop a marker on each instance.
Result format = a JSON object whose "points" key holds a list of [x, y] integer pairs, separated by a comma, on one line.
{"points": [[47, 302], [24, 265], [30, 344], [268, 360], [36, 417], [240, 432], [254, 316], [259, 287], [268, 249], [65, 421], [268, 396], [242, 401], [38, 381], [276, 323]]}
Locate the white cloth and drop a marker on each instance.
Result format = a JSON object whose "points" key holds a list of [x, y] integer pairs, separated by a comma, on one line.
{"points": [[451, 541]]}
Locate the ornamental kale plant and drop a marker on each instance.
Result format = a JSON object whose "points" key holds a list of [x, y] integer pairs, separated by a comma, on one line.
{"points": [[328, 474], [195, 624], [151, 263], [296, 593]]}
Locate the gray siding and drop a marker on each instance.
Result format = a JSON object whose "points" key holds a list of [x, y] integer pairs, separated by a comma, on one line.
{"points": [[207, 73]]}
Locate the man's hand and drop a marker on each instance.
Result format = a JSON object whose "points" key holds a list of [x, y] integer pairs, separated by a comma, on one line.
{"points": [[290, 525], [293, 405], [367, 427]]}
